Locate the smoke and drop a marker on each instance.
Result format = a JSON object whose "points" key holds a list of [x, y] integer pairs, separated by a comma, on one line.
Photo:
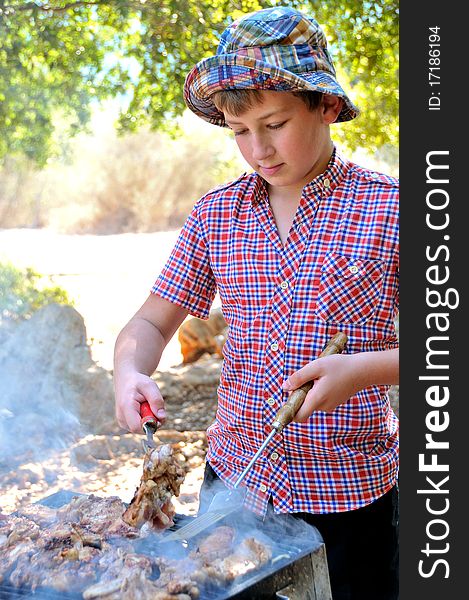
{"points": [[49, 394], [272, 528], [34, 433]]}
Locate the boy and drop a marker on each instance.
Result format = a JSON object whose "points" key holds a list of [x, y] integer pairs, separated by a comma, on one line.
{"points": [[303, 247]]}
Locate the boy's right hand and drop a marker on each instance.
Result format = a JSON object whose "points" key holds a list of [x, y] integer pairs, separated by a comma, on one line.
{"points": [[136, 356], [130, 394]]}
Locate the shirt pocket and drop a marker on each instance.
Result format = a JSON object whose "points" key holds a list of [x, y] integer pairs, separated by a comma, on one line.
{"points": [[349, 288]]}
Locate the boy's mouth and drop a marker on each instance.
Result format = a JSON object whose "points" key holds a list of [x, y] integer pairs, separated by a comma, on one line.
{"points": [[270, 170]]}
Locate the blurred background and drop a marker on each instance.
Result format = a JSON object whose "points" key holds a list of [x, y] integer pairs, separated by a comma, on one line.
{"points": [[94, 137], [100, 163]]}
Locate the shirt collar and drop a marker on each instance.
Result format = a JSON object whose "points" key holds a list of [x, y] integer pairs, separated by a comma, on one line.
{"points": [[333, 175], [325, 183], [259, 190]]}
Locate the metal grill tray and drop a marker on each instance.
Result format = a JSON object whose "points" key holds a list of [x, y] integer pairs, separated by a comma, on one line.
{"points": [[8, 592], [298, 540]]}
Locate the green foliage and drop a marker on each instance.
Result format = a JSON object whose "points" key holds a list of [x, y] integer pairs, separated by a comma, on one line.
{"points": [[59, 56], [21, 294], [52, 60], [364, 38]]}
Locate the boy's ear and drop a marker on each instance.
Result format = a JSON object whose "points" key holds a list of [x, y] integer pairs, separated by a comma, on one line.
{"points": [[331, 107]]}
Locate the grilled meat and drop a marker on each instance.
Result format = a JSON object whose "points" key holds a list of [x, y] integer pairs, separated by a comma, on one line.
{"points": [[216, 545], [249, 555], [85, 547], [114, 584], [17, 537], [39, 514], [60, 549], [180, 576], [211, 562], [100, 516], [50, 568], [106, 590], [161, 480], [133, 585]]}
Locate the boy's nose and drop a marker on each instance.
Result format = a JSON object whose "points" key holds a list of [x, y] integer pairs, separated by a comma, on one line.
{"points": [[261, 148]]}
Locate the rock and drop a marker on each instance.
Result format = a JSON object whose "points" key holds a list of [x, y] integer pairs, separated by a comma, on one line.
{"points": [[51, 391], [190, 393], [89, 451], [198, 336]]}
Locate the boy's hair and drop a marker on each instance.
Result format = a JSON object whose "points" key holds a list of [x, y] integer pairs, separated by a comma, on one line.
{"points": [[239, 101]]}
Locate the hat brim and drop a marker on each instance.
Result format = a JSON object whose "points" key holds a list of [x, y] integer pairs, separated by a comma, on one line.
{"points": [[218, 73]]}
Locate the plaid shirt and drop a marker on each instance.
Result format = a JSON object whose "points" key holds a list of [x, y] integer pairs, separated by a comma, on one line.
{"points": [[337, 272]]}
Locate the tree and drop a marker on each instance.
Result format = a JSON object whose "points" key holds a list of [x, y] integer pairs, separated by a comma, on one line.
{"points": [[52, 59], [21, 293], [62, 56], [364, 37]]}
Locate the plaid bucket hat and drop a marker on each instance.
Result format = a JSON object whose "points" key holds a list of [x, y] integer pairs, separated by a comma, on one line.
{"points": [[271, 49]]}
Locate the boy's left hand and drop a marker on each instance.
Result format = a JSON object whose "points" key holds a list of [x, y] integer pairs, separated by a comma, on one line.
{"points": [[335, 381]]}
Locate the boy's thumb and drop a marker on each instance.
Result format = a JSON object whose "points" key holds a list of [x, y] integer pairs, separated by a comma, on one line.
{"points": [[295, 380]]}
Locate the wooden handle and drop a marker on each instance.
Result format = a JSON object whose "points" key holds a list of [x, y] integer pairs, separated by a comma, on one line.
{"points": [[287, 412]]}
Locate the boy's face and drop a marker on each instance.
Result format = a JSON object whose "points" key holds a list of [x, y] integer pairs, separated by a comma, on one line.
{"points": [[284, 141]]}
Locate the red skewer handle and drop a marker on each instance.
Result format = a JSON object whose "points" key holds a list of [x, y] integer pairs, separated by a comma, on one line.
{"points": [[147, 415]]}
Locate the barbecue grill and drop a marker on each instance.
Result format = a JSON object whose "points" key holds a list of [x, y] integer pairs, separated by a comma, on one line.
{"points": [[297, 570]]}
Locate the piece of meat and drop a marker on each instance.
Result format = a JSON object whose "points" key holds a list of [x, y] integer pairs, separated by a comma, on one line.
{"points": [[110, 586], [9, 556], [180, 576], [101, 516], [18, 528], [132, 585], [136, 587], [18, 537], [42, 515], [249, 555], [161, 480], [216, 545], [50, 568], [216, 561], [106, 590], [62, 555]]}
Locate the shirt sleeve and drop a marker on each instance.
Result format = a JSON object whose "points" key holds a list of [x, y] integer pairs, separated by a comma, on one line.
{"points": [[187, 278]]}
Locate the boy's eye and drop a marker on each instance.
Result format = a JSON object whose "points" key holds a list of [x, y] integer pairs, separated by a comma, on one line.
{"points": [[270, 126], [276, 125]]}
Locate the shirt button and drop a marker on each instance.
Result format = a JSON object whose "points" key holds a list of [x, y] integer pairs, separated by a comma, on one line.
{"points": [[263, 488], [274, 346], [353, 269], [274, 456], [270, 401], [284, 285], [326, 183]]}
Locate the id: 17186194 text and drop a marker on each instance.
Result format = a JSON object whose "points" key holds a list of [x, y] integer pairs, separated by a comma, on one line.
{"points": [[434, 68]]}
